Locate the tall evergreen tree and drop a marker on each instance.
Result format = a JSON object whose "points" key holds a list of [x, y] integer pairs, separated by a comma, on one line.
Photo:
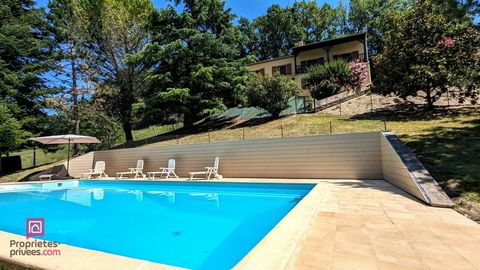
{"points": [[117, 31], [24, 54], [194, 60], [72, 72]]}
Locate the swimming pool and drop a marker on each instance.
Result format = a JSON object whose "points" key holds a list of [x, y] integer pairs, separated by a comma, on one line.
{"points": [[192, 225]]}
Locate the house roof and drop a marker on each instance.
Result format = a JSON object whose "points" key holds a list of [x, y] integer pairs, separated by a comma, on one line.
{"points": [[330, 42]]}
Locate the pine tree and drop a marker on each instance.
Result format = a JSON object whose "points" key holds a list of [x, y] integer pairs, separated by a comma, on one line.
{"points": [[24, 59], [194, 60]]}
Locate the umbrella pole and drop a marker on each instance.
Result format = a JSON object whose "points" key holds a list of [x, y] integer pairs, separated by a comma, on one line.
{"points": [[68, 158]]}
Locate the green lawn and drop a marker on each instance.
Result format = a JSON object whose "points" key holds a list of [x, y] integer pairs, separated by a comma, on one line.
{"points": [[41, 156], [152, 131]]}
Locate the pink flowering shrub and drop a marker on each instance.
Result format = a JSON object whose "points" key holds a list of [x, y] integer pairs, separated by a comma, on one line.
{"points": [[447, 42], [359, 73]]}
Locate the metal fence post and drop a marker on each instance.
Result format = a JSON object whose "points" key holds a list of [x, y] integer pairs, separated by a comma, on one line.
{"points": [[243, 133], [331, 130], [177, 138], [371, 101], [281, 128], [34, 156], [385, 124], [208, 131]]}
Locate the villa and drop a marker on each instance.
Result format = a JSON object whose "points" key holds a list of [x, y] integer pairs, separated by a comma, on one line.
{"points": [[304, 56]]}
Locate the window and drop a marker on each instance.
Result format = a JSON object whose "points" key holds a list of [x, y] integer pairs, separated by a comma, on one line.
{"points": [[347, 56], [284, 69], [304, 65]]}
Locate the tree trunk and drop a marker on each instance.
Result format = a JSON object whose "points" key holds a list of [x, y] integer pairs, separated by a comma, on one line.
{"points": [[188, 120], [76, 117], [429, 97], [127, 129], [127, 92]]}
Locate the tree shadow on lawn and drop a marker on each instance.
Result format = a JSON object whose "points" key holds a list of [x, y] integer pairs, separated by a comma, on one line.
{"points": [[408, 112], [451, 155]]}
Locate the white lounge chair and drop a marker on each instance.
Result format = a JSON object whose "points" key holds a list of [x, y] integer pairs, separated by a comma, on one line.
{"points": [[98, 170], [136, 172], [209, 171], [167, 172]]}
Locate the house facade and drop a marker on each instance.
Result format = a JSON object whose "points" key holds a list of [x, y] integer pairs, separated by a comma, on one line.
{"points": [[349, 48]]}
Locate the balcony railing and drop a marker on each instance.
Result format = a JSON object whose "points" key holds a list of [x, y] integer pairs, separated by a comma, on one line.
{"points": [[300, 69]]}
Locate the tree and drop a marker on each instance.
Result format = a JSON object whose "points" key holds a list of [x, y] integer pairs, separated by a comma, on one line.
{"points": [[72, 71], [118, 32], [277, 32], [24, 59], [376, 18], [249, 42], [194, 60], [460, 8], [317, 23], [11, 131], [272, 93], [428, 52]]}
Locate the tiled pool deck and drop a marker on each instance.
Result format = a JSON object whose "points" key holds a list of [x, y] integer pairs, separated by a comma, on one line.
{"points": [[340, 224]]}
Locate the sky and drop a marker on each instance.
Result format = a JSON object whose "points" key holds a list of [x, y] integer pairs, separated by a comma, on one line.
{"points": [[245, 8]]}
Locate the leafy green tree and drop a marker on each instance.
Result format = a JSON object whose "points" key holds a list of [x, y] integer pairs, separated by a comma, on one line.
{"points": [[12, 135], [118, 32], [325, 80], [194, 62], [277, 32], [24, 58], [249, 42], [317, 23], [428, 52], [460, 8], [376, 18], [272, 93]]}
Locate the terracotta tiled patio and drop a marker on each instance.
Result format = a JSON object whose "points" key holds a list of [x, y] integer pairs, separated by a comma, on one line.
{"points": [[374, 225]]}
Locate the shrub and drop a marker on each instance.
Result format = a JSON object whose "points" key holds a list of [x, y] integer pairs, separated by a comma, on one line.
{"points": [[325, 80], [271, 93]]}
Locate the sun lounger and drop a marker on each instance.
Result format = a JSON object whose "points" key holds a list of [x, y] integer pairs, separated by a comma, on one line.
{"points": [[136, 172], [209, 171], [167, 172], [99, 171]]}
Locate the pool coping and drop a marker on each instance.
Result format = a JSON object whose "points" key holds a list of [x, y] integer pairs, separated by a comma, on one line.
{"points": [[274, 251]]}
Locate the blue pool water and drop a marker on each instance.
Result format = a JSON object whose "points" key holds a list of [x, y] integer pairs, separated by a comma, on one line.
{"points": [[191, 225]]}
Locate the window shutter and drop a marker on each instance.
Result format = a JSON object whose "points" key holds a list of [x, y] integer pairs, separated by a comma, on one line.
{"points": [[289, 69], [262, 71], [274, 70]]}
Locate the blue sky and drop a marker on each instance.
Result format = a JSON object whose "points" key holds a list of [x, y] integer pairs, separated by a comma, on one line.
{"points": [[246, 8]]}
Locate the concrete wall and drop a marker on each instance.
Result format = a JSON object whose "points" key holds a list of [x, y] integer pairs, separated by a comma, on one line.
{"points": [[353, 156], [372, 155], [402, 169], [80, 164]]}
